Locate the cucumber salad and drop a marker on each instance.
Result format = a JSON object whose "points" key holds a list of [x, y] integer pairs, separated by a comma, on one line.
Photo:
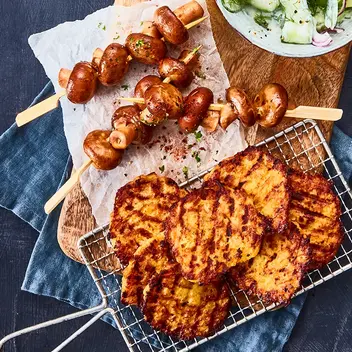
{"points": [[300, 21]]}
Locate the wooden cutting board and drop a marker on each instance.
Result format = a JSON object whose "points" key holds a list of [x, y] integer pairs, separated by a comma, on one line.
{"points": [[312, 81]]}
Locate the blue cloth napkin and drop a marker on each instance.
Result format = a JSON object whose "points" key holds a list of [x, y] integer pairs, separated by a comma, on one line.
{"points": [[35, 166]]}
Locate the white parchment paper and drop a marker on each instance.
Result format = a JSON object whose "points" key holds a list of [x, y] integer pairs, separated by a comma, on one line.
{"points": [[170, 153]]}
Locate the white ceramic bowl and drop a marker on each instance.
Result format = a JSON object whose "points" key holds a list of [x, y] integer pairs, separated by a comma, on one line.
{"points": [[270, 40]]}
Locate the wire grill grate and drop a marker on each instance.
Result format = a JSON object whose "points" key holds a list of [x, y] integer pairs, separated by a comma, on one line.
{"points": [[301, 146]]}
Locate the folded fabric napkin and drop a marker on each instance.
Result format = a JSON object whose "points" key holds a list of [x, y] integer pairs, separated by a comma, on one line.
{"points": [[33, 168]]}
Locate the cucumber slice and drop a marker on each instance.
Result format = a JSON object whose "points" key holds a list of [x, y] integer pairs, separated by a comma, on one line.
{"points": [[232, 5], [297, 33], [331, 14], [265, 5], [299, 24]]}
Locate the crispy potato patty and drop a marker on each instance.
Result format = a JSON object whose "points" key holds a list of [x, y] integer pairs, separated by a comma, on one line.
{"points": [[213, 229], [263, 178], [150, 258], [140, 208], [275, 274], [183, 309], [315, 210]]}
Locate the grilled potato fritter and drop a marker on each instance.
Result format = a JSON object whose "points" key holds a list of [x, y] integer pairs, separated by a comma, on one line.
{"points": [[140, 208], [275, 274], [213, 229], [263, 178], [150, 258], [183, 309], [315, 210]]}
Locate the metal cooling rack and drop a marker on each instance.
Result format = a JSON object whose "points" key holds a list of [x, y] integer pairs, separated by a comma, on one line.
{"points": [[301, 146]]}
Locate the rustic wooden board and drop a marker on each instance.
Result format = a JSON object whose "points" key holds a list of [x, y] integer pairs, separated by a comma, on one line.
{"points": [[313, 81]]}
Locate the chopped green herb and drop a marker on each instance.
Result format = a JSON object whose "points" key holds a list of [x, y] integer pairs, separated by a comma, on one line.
{"points": [[261, 20], [198, 135], [139, 43], [233, 5], [200, 74], [195, 155], [117, 37], [195, 50], [100, 25], [141, 24], [185, 171], [125, 86], [162, 168]]}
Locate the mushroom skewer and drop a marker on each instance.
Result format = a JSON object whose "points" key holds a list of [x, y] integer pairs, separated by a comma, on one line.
{"points": [[86, 74], [105, 148], [300, 112]]}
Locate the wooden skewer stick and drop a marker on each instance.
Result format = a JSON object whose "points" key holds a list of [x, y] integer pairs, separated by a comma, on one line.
{"points": [[56, 199], [196, 22], [53, 102], [39, 109], [301, 112]]}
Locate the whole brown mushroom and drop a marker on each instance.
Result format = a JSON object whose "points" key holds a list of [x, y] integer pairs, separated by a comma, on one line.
{"points": [[113, 64], [178, 72], [196, 106], [128, 129], [145, 49], [170, 27], [125, 115], [242, 105], [164, 101], [271, 105], [143, 85], [82, 83], [97, 147]]}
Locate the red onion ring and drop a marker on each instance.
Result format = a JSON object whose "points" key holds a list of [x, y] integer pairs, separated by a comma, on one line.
{"points": [[343, 7], [321, 39]]}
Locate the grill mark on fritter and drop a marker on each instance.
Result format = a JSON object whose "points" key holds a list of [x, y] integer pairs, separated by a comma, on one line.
{"points": [[307, 212], [199, 311], [212, 219], [315, 209], [141, 204], [299, 196], [214, 216], [229, 229], [249, 167], [275, 282]]}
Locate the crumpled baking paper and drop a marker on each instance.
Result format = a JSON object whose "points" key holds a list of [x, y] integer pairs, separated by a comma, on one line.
{"points": [[170, 153]]}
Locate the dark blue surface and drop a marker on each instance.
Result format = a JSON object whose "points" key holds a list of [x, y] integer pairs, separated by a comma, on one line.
{"points": [[324, 324]]}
